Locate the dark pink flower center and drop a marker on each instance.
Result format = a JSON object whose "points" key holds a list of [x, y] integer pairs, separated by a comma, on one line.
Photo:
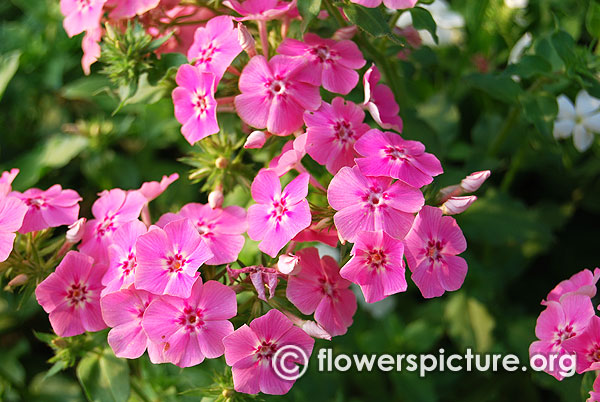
{"points": [[593, 353], [191, 319], [324, 54], [277, 86], [343, 131], [77, 294], [396, 153], [142, 309], [128, 265], [200, 103], [266, 350], [204, 229], [328, 288], [106, 225], [175, 263], [433, 251], [84, 5], [562, 334], [35, 202], [279, 209], [206, 53], [375, 198], [376, 259]]}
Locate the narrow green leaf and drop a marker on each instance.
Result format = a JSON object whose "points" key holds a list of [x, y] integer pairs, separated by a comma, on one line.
{"points": [[592, 19], [371, 20], [469, 322], [587, 384], [422, 19], [309, 9], [500, 87], [9, 64]]}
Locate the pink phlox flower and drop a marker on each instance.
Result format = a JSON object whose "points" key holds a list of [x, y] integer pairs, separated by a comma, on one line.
{"points": [[12, 213], [195, 104], [168, 259], [48, 209], [472, 182], [193, 328], [391, 4], [559, 322], [388, 154], [123, 312], [457, 205], [256, 140], [377, 266], [372, 204], [380, 101], [81, 15], [113, 209], [152, 189], [250, 350], [6, 179], [586, 345], [278, 216], [320, 289], [260, 277], [90, 44], [583, 283], [221, 229], [288, 264], [215, 46], [327, 236], [260, 10], [71, 295], [331, 63], [275, 94], [431, 249], [125, 9], [595, 392], [290, 157], [332, 132], [122, 255]]}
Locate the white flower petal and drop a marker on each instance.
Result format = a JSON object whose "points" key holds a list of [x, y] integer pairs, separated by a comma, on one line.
{"points": [[582, 139], [585, 104], [566, 110], [519, 48], [592, 123], [563, 128]]}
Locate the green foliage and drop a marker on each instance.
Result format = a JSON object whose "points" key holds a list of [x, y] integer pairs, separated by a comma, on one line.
{"points": [[103, 376]]}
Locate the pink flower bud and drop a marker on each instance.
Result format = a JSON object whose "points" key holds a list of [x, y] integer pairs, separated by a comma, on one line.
{"points": [[18, 280], [246, 40], [256, 139], [215, 199], [457, 205], [472, 182], [345, 33], [315, 330], [288, 264], [75, 232]]}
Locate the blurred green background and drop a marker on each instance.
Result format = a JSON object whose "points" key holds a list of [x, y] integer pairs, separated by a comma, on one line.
{"points": [[535, 223]]}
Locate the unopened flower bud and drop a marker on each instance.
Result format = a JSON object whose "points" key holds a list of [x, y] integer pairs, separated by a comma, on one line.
{"points": [[221, 162], [288, 264], [75, 232], [472, 182], [246, 40], [457, 205], [215, 199], [345, 33], [18, 280], [256, 140], [315, 330]]}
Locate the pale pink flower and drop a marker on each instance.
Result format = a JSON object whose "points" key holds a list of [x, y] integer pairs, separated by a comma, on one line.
{"points": [[372, 204], [431, 249], [332, 132], [377, 266], [457, 205], [113, 209], [586, 345], [81, 15], [315, 330], [327, 236], [215, 199], [121, 269], [277, 216], [220, 229], [246, 40], [290, 157], [330, 63], [288, 264], [6, 179], [76, 231], [583, 283], [195, 104], [48, 209], [215, 46], [71, 295], [255, 140], [12, 212], [345, 33], [388, 154], [123, 312], [192, 329], [318, 288], [125, 9], [168, 260], [472, 182], [153, 189], [380, 101], [249, 350], [559, 322], [275, 94], [392, 4], [90, 44], [263, 10]]}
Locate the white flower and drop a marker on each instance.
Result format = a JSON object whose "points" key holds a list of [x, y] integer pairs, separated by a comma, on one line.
{"points": [[519, 48], [581, 120], [449, 24], [516, 3]]}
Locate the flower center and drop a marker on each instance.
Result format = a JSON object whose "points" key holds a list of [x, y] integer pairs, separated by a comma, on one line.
{"points": [[83, 5], [594, 353], [175, 263], [434, 250], [323, 53], [266, 350], [277, 87], [327, 287], [142, 309], [128, 265], [376, 259], [77, 294], [204, 229], [200, 103], [191, 319], [279, 210], [36, 203], [206, 53], [375, 198], [343, 131], [106, 225], [396, 153], [563, 334]]}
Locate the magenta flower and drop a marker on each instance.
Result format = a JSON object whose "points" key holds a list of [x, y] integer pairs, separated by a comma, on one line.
{"points": [[260, 10], [90, 44], [221, 229], [377, 266], [168, 260], [153, 189], [431, 249], [332, 131], [327, 236], [71, 295], [48, 209], [380, 101], [192, 329], [320, 289], [559, 322], [195, 104], [12, 212], [215, 46], [250, 351], [387, 154], [121, 269], [124, 9], [123, 311], [586, 345], [583, 283], [81, 15], [278, 216], [331, 63], [371, 204], [275, 94], [392, 4], [113, 209]]}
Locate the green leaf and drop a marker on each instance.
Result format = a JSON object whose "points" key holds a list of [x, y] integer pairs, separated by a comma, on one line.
{"points": [[422, 19], [587, 384], [104, 377], [501, 87], [156, 43], [592, 19], [540, 110], [371, 20], [530, 66], [9, 63], [564, 44], [309, 9], [469, 322]]}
